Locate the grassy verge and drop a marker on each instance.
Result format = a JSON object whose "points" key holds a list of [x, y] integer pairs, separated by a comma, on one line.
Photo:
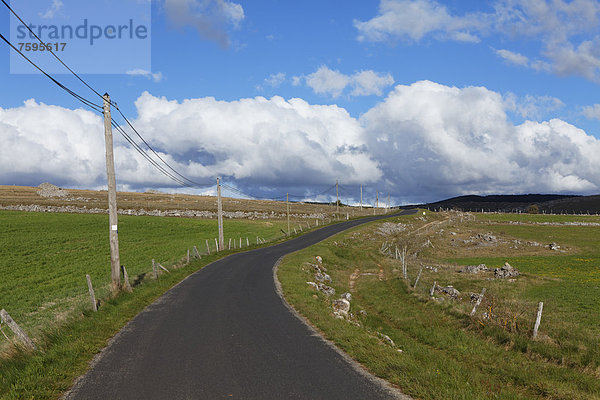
{"points": [[65, 350], [445, 353]]}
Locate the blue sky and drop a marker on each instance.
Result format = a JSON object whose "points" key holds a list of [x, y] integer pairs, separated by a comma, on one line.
{"points": [[427, 99]]}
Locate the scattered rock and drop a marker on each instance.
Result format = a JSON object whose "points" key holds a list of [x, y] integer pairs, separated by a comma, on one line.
{"points": [[386, 339], [431, 268], [319, 268], [488, 237], [322, 277], [474, 297], [363, 313], [474, 269], [341, 308], [319, 259], [553, 246], [49, 190], [327, 290], [448, 290], [346, 296], [507, 271], [389, 228], [482, 239]]}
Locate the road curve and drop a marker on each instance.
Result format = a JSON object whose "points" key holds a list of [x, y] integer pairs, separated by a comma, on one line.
{"points": [[224, 332]]}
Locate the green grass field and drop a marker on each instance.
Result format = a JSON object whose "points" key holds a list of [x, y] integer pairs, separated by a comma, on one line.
{"points": [[44, 257], [447, 354], [43, 262]]}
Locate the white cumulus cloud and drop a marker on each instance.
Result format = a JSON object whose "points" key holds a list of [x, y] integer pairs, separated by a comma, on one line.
{"points": [[440, 141], [333, 83], [567, 32], [532, 107], [155, 76], [424, 141], [592, 112], [51, 12], [512, 57], [275, 80], [268, 141], [415, 19]]}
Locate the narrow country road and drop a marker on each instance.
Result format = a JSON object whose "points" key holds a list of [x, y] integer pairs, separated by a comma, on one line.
{"points": [[224, 332]]}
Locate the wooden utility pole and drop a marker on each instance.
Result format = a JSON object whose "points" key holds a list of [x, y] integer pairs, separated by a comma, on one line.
{"points": [[115, 261], [388, 203], [220, 217], [361, 196], [337, 198], [287, 204], [376, 202]]}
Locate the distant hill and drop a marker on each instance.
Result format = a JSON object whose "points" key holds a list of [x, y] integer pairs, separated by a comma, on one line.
{"points": [[548, 203]]}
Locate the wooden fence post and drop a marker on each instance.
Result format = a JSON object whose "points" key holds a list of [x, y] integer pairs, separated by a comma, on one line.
{"points": [[92, 295], [404, 269], [478, 302], [207, 247], [229, 244], [247, 242], [196, 253], [432, 291], [163, 268], [16, 329], [538, 319], [126, 284], [417, 280], [217, 245], [154, 270], [188, 256]]}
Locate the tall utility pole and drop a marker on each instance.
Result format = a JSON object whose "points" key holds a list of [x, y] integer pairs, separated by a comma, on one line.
{"points": [[361, 196], [115, 261], [337, 198], [376, 201], [388, 203], [287, 204], [220, 217]]}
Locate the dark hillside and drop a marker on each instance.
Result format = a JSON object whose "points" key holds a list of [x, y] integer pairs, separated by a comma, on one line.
{"points": [[547, 203]]}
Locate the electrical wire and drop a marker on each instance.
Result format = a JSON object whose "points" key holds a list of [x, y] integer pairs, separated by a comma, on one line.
{"points": [[192, 182], [99, 109], [82, 99], [141, 151], [54, 54]]}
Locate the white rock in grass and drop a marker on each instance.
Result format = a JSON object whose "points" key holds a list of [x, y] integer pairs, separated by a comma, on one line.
{"points": [[341, 308]]}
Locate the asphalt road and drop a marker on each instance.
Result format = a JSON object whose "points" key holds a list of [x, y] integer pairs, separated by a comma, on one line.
{"points": [[224, 332]]}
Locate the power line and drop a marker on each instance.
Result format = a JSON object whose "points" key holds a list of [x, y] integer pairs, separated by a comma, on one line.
{"points": [[82, 99], [197, 184], [146, 156], [54, 54], [97, 108]]}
